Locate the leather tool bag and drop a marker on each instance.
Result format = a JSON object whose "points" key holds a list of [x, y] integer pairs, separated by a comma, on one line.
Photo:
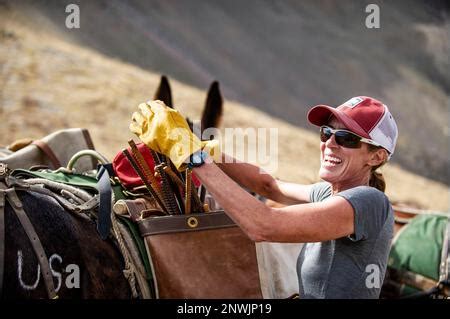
{"points": [[200, 256]]}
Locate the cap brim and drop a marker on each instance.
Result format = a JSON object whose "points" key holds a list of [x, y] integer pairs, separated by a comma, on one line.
{"points": [[320, 115]]}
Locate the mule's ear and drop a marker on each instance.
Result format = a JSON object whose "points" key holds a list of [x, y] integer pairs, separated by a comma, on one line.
{"points": [[164, 92], [212, 113]]}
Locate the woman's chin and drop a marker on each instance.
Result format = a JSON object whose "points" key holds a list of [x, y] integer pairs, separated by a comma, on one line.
{"points": [[327, 174]]}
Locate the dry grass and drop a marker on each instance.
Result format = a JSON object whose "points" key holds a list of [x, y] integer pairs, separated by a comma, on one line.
{"points": [[47, 84]]}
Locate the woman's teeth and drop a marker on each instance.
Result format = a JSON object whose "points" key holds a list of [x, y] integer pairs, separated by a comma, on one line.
{"points": [[331, 160]]}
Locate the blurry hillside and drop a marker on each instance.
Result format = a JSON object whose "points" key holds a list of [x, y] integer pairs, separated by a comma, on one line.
{"points": [[48, 84], [284, 56]]}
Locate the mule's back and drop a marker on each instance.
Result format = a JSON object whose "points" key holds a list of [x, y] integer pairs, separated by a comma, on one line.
{"points": [[67, 240]]}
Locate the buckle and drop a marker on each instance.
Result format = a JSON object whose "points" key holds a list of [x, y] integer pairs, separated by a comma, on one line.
{"points": [[3, 168]]}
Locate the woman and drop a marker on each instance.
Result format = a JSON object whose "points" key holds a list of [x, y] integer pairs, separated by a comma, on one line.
{"points": [[345, 221]]}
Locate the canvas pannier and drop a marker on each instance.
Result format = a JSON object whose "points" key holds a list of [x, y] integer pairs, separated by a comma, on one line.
{"points": [[419, 260], [53, 151]]}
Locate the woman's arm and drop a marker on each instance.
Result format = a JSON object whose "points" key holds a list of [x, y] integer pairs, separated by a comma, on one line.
{"points": [[257, 180], [330, 219]]}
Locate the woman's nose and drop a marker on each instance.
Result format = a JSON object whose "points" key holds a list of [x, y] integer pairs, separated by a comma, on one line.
{"points": [[331, 142]]}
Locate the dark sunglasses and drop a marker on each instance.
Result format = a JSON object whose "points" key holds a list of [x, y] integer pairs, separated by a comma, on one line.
{"points": [[344, 138]]}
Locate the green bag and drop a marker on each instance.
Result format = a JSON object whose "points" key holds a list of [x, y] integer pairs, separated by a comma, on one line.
{"points": [[86, 182], [417, 253]]}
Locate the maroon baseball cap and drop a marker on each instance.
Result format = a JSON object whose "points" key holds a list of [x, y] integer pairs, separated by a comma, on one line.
{"points": [[363, 115]]}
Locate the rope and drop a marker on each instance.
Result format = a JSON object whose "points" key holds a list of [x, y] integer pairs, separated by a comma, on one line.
{"points": [[85, 196], [77, 210], [129, 271], [132, 265], [137, 262]]}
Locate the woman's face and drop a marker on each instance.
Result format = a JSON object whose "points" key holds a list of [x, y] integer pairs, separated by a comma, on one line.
{"points": [[344, 166]]}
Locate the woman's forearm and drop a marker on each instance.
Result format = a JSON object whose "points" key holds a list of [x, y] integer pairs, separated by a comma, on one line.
{"points": [[247, 175], [255, 179], [249, 213]]}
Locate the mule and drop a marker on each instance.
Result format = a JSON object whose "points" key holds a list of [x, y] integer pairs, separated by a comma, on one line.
{"points": [[82, 265]]}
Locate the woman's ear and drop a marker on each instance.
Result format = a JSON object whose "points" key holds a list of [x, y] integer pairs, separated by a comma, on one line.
{"points": [[378, 157]]}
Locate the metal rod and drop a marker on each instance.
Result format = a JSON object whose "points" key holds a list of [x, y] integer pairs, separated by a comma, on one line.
{"points": [[167, 191], [188, 194], [163, 191], [155, 156], [174, 177], [146, 182], [144, 166], [161, 159], [177, 186], [198, 206], [202, 193]]}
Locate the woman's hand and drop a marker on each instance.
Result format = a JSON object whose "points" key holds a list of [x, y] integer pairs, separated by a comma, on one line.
{"points": [[165, 131]]}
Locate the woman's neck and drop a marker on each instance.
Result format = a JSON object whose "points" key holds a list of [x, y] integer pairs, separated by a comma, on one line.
{"points": [[347, 184]]}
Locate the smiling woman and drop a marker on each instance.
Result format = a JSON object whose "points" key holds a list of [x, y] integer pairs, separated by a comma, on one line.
{"points": [[347, 225]]}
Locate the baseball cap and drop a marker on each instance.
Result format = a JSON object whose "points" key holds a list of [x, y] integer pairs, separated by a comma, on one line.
{"points": [[363, 115]]}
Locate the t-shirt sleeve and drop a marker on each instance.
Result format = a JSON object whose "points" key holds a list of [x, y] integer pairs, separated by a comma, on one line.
{"points": [[319, 192], [371, 208]]}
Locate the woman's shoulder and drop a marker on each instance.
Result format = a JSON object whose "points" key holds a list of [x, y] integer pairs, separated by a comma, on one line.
{"points": [[367, 197], [372, 210], [369, 191]]}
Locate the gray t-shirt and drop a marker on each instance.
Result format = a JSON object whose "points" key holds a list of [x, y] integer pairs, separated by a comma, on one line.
{"points": [[353, 266]]}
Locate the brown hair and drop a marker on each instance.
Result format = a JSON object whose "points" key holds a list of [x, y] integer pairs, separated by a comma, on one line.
{"points": [[376, 178]]}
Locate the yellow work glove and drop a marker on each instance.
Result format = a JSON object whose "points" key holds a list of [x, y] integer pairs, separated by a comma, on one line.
{"points": [[166, 131]]}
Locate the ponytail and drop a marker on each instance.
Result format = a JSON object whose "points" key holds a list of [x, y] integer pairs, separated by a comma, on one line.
{"points": [[377, 180]]}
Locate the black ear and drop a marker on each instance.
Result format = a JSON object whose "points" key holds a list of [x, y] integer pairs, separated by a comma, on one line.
{"points": [[212, 113], [164, 92]]}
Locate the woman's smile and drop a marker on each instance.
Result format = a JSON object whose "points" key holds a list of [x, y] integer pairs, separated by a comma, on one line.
{"points": [[330, 160]]}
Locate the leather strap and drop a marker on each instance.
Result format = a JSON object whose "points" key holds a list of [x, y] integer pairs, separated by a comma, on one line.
{"points": [[88, 139], [184, 223], [16, 205], [48, 151], [2, 234], [89, 143], [444, 267], [448, 252], [104, 210], [138, 208]]}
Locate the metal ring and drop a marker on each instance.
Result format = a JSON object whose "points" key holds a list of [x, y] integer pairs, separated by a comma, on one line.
{"points": [[192, 222], [95, 154]]}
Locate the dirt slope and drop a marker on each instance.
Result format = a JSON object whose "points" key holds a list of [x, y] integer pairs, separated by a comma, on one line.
{"points": [[284, 56], [48, 84]]}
